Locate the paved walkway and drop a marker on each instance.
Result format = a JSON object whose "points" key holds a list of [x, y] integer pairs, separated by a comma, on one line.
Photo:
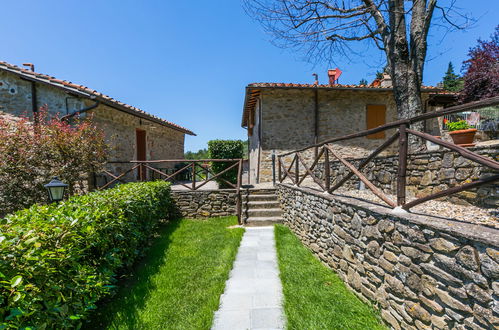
{"points": [[253, 292]]}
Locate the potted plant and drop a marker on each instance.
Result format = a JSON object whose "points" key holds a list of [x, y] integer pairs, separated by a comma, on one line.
{"points": [[461, 132]]}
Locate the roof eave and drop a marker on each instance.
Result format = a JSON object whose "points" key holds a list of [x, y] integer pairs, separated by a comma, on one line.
{"points": [[244, 119], [142, 115], [103, 100]]}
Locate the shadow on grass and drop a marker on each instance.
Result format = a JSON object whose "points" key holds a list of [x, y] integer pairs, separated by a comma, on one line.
{"points": [[135, 286], [179, 283]]}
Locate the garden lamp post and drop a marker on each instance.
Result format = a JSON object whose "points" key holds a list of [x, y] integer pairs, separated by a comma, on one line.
{"points": [[56, 189]]}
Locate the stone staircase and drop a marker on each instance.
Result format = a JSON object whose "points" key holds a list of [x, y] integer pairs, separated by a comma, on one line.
{"points": [[260, 207]]}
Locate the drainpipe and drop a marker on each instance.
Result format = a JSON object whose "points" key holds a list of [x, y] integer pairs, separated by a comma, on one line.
{"points": [[93, 106], [34, 101], [316, 114]]}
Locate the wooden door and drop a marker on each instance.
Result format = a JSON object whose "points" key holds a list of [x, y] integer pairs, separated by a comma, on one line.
{"points": [[140, 144], [375, 116]]}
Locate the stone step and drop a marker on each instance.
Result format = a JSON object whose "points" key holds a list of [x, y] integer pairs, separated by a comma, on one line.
{"points": [[263, 221], [255, 198], [275, 212], [261, 191], [263, 205]]}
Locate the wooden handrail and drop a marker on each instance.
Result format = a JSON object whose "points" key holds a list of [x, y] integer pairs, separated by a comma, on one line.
{"points": [[191, 164], [366, 161], [462, 151], [402, 135], [185, 160], [395, 124], [451, 191], [368, 183]]}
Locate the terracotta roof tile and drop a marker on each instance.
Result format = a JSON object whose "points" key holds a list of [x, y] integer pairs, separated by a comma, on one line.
{"points": [[43, 78], [335, 86], [250, 100]]}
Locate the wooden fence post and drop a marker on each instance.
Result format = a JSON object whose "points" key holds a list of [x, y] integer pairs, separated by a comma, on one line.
{"points": [[402, 168], [193, 175], [297, 170], [327, 174], [279, 171], [239, 205], [141, 172]]}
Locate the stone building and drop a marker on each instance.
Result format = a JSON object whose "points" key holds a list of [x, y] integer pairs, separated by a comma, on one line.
{"points": [[285, 117], [132, 133]]}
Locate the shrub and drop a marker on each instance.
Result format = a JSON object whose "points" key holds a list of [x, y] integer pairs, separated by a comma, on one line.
{"points": [[481, 78], [30, 155], [225, 149], [457, 125], [58, 260]]}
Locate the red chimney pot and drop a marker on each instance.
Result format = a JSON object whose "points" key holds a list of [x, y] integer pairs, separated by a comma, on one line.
{"points": [[334, 75]]}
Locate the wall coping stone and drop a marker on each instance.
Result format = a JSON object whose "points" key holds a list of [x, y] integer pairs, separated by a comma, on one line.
{"points": [[203, 191], [475, 232], [491, 147]]}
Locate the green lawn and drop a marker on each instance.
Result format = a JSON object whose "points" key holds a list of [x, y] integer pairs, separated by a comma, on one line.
{"points": [[179, 283], [314, 296]]}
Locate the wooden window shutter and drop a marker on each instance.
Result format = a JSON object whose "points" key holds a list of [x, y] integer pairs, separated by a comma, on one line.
{"points": [[375, 116]]}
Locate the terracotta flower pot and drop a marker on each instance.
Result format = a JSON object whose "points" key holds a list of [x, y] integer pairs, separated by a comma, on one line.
{"points": [[463, 137]]}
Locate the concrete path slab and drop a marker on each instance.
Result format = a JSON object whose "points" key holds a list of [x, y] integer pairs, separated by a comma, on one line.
{"points": [[253, 292]]}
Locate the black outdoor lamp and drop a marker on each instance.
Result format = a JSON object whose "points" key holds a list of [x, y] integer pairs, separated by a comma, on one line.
{"points": [[56, 189]]}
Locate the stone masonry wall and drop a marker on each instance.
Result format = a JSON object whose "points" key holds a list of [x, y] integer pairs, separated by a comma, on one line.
{"points": [[16, 97], [427, 173], [288, 121], [421, 272], [119, 127], [205, 203]]}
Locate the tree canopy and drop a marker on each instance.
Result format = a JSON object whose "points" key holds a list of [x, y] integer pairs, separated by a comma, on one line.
{"points": [[451, 81], [323, 29], [481, 79]]}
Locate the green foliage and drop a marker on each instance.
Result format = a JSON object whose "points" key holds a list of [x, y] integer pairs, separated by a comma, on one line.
{"points": [[451, 81], [225, 149], [457, 125], [178, 284], [58, 260], [363, 82], [481, 77], [200, 154], [314, 296], [31, 155]]}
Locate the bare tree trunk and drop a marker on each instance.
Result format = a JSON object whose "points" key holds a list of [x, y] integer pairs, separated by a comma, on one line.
{"points": [[406, 63]]}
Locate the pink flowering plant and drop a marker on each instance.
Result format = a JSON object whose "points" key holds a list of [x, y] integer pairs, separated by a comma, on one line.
{"points": [[31, 153]]}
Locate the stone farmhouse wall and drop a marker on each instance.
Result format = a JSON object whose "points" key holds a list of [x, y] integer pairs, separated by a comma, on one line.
{"points": [[288, 121], [427, 173], [119, 127], [205, 203], [421, 272], [16, 97]]}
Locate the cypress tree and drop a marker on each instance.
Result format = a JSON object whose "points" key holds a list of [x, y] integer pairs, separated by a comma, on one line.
{"points": [[451, 81]]}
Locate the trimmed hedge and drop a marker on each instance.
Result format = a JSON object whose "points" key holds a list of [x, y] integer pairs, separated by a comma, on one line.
{"points": [[225, 149], [58, 260]]}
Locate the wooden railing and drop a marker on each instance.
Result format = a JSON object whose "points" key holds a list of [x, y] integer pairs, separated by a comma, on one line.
{"points": [[292, 170], [144, 171]]}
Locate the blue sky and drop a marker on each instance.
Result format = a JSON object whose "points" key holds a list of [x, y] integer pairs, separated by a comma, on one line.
{"points": [[187, 61]]}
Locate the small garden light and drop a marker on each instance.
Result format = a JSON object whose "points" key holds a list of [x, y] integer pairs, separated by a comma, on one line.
{"points": [[56, 189]]}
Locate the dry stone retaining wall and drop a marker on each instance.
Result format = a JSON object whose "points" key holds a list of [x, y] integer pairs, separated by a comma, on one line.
{"points": [[205, 203], [428, 173], [420, 271]]}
